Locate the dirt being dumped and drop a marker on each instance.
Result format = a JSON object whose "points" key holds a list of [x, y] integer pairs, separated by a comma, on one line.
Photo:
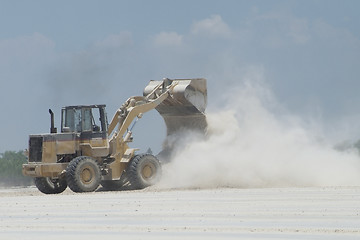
{"points": [[253, 142]]}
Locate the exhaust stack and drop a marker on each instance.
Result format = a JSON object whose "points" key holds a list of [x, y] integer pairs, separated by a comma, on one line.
{"points": [[53, 129]]}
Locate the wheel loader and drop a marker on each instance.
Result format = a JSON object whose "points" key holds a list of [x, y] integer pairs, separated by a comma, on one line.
{"points": [[89, 152]]}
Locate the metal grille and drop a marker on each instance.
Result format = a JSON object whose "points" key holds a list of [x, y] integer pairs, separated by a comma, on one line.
{"points": [[35, 148]]}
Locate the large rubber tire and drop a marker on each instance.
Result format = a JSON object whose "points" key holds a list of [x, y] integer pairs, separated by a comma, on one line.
{"points": [[83, 174], [143, 170], [50, 186]]}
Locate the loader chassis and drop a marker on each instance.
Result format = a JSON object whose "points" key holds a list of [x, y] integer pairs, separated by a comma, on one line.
{"points": [[89, 151], [49, 154]]}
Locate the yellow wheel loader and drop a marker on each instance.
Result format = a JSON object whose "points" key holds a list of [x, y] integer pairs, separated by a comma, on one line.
{"points": [[89, 151]]}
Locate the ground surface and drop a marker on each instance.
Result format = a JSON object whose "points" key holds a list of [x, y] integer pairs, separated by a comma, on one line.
{"points": [[272, 213]]}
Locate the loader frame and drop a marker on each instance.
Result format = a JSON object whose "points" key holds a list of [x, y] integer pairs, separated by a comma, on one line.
{"points": [[102, 147]]}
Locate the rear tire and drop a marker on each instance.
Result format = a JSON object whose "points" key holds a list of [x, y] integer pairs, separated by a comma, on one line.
{"points": [[49, 185], [83, 174], [144, 170]]}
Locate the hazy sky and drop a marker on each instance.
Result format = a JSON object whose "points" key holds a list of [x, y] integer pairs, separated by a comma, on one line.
{"points": [[56, 53]]}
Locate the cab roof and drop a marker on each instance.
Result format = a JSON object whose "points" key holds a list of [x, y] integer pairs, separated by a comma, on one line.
{"points": [[85, 106]]}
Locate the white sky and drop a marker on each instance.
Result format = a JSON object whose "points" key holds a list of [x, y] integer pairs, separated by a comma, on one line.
{"points": [[56, 53]]}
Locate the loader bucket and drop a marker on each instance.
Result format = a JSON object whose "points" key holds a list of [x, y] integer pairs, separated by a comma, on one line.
{"points": [[184, 108]]}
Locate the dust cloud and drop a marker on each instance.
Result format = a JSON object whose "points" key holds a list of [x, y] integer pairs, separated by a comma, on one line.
{"points": [[254, 142]]}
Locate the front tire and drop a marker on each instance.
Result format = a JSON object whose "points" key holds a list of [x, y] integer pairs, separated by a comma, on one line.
{"points": [[83, 174], [49, 185], [144, 170]]}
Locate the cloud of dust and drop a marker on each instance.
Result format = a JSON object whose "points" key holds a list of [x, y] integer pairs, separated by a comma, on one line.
{"points": [[252, 142]]}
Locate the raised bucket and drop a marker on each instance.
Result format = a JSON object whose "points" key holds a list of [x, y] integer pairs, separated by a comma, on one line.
{"points": [[184, 109]]}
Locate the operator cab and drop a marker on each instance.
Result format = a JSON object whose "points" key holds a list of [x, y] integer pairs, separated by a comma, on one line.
{"points": [[78, 119]]}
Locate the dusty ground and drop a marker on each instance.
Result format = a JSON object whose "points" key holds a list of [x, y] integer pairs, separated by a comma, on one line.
{"points": [[276, 213]]}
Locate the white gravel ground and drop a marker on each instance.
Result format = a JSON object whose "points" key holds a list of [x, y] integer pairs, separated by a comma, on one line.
{"points": [[223, 213]]}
